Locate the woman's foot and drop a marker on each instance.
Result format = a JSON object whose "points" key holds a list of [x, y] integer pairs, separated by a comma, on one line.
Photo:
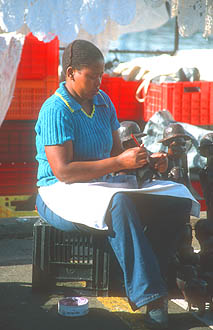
{"points": [[157, 314]]}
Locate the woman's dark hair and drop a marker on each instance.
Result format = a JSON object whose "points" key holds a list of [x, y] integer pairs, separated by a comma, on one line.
{"points": [[80, 53]]}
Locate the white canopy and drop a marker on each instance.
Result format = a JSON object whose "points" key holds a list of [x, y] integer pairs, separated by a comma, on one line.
{"points": [[103, 18], [99, 21]]}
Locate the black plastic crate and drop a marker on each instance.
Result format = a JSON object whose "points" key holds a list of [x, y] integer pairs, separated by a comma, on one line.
{"points": [[59, 256]]}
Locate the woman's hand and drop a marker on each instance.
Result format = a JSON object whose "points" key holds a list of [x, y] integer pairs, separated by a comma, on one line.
{"points": [[133, 158], [159, 161], [60, 158]]}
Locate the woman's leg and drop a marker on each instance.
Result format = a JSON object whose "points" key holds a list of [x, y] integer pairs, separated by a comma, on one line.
{"points": [[128, 238], [165, 218], [142, 276]]}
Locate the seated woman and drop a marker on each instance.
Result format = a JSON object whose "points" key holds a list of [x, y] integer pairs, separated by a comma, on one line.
{"points": [[78, 149]]}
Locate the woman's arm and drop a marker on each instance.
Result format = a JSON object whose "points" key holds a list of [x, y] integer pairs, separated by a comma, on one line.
{"points": [[60, 158], [117, 148]]}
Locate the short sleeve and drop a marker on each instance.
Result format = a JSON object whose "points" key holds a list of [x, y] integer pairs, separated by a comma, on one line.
{"points": [[54, 124]]}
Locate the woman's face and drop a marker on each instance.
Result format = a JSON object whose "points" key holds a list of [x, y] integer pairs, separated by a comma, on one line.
{"points": [[86, 82]]}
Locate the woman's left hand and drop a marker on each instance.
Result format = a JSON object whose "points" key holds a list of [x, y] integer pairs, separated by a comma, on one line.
{"points": [[159, 161]]}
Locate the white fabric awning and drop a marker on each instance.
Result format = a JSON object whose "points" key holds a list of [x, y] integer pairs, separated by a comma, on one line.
{"points": [[68, 18], [99, 21]]}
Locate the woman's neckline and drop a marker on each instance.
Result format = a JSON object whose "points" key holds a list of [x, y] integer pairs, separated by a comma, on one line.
{"points": [[89, 107]]}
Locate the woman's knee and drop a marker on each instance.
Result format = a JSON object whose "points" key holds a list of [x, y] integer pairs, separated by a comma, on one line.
{"points": [[53, 219], [121, 199]]}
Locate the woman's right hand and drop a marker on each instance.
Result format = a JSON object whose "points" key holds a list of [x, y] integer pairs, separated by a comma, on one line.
{"points": [[133, 158]]}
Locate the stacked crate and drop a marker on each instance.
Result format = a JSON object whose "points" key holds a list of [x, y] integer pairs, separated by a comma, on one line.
{"points": [[122, 94], [37, 79], [188, 102]]}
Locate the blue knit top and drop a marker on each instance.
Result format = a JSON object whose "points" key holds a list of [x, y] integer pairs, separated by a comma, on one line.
{"points": [[61, 118]]}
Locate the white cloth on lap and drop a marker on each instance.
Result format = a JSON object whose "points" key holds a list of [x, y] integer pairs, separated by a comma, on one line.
{"points": [[87, 203]]}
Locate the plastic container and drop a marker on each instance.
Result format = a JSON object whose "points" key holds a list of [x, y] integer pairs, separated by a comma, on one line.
{"points": [[73, 306], [29, 96], [17, 141], [188, 102], [197, 186], [122, 94], [39, 59]]}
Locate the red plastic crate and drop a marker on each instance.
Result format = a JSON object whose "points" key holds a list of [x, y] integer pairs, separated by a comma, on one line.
{"points": [[39, 59], [197, 186], [17, 141], [18, 178], [29, 96], [122, 94], [188, 102]]}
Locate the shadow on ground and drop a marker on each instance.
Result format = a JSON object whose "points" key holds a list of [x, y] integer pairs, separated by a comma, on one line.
{"points": [[20, 309]]}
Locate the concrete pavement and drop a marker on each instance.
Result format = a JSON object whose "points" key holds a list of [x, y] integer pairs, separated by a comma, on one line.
{"points": [[20, 309]]}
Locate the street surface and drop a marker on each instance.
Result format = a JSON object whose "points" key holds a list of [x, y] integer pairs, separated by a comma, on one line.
{"points": [[20, 309]]}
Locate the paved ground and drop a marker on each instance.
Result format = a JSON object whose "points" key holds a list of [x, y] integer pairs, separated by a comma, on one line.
{"points": [[20, 309]]}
